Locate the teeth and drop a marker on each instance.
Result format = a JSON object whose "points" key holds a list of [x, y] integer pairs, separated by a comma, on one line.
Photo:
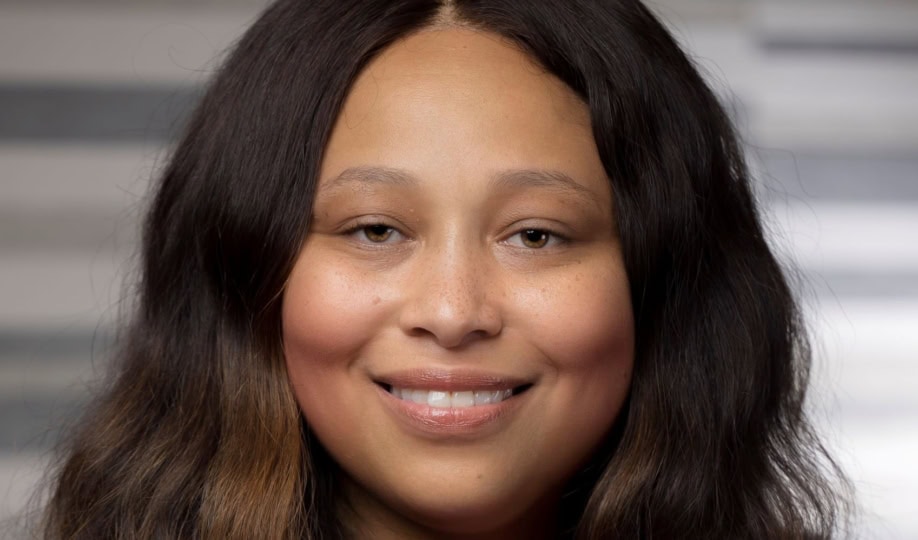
{"points": [[462, 399], [441, 400], [485, 397], [417, 396], [445, 400]]}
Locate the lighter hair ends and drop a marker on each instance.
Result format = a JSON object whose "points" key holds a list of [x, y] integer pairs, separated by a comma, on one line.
{"points": [[466, 269]]}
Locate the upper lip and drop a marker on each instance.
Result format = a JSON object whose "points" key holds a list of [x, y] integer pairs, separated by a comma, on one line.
{"points": [[450, 380]]}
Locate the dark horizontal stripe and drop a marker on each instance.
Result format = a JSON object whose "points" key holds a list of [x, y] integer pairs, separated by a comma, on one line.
{"points": [[831, 45], [56, 113], [36, 423], [17, 344]]}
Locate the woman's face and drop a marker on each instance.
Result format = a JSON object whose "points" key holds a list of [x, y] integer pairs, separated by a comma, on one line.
{"points": [[458, 327]]}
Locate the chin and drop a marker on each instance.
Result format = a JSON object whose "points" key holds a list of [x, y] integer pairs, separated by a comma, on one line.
{"points": [[465, 508]]}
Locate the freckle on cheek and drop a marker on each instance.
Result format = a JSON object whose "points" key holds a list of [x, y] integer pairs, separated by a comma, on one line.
{"points": [[376, 300]]}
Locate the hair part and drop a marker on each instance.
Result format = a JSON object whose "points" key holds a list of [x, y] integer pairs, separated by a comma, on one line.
{"points": [[198, 433]]}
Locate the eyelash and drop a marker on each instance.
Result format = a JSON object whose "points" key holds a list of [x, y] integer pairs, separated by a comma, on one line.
{"points": [[362, 228], [553, 240]]}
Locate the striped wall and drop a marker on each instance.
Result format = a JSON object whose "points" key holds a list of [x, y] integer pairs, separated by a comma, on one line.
{"points": [[92, 95]]}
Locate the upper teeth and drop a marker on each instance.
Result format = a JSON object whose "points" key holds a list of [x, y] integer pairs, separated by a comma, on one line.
{"points": [[445, 400]]}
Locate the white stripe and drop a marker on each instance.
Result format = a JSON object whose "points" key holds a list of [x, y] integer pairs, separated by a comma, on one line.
{"points": [[858, 238], [868, 348]]}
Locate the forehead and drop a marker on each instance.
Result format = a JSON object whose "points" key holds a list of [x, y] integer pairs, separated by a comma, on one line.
{"points": [[457, 101]]}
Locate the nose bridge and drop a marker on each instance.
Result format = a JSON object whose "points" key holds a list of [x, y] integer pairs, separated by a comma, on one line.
{"points": [[453, 268], [450, 299]]}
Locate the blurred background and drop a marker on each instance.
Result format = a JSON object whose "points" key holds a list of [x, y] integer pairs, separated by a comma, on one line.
{"points": [[825, 94]]}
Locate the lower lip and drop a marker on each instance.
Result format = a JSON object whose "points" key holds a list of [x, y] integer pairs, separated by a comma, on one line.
{"points": [[479, 420]]}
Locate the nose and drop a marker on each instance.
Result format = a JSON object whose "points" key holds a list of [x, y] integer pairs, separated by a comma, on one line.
{"points": [[451, 298]]}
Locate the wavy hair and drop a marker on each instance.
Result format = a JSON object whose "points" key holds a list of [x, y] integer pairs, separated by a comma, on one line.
{"points": [[197, 433]]}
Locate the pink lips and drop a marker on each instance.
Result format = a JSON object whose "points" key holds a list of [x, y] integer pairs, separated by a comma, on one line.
{"points": [[427, 421]]}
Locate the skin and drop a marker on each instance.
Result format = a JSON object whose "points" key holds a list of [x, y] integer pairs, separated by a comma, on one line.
{"points": [[434, 268]]}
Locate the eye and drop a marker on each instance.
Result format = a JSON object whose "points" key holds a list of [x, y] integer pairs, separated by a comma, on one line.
{"points": [[535, 238], [375, 233]]}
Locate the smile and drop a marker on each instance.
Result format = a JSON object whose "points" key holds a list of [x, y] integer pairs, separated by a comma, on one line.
{"points": [[440, 399], [453, 404], [469, 414]]}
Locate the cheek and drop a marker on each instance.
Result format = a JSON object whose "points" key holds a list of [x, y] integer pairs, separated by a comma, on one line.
{"points": [[329, 314], [585, 331], [582, 322]]}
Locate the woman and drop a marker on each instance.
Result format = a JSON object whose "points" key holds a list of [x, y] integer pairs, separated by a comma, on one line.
{"points": [[469, 269]]}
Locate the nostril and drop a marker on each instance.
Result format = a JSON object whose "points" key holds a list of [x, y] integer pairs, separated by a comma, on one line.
{"points": [[451, 336]]}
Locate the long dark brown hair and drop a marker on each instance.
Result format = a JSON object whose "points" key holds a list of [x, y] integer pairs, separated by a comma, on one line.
{"points": [[197, 433]]}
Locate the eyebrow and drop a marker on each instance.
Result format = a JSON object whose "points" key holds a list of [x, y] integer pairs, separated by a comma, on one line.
{"points": [[367, 176], [543, 178], [513, 179]]}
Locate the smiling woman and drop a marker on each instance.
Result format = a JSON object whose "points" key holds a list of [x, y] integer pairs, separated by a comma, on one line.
{"points": [[457, 328], [469, 269]]}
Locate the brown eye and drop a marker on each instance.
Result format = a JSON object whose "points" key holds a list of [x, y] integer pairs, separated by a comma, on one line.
{"points": [[534, 238], [377, 233]]}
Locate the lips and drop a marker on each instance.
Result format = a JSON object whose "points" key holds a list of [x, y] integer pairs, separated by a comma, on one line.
{"points": [[451, 402]]}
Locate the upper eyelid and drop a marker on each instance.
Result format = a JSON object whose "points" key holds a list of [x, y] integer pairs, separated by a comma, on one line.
{"points": [[559, 238], [550, 229], [370, 221], [363, 222]]}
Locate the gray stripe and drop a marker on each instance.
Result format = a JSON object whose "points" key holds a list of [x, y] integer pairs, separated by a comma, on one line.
{"points": [[852, 285], [34, 419], [66, 230], [834, 45], [826, 178], [93, 114], [50, 4], [36, 423], [127, 114], [22, 346]]}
